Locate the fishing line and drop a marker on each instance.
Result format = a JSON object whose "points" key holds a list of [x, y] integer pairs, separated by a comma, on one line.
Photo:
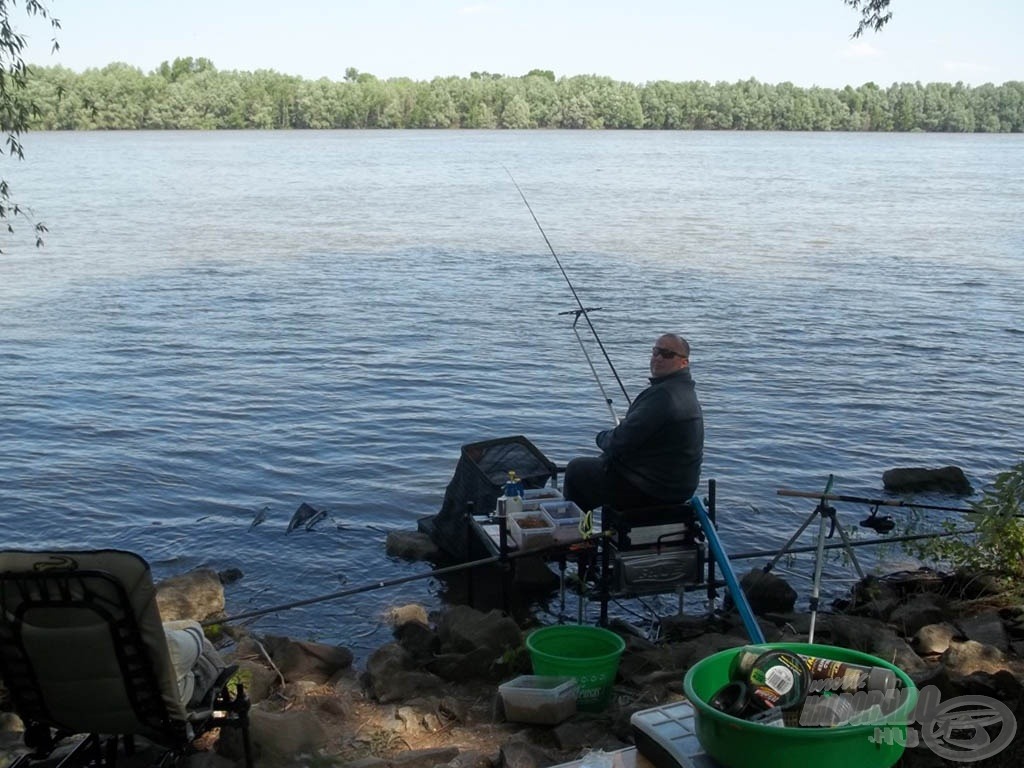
{"points": [[582, 310]]}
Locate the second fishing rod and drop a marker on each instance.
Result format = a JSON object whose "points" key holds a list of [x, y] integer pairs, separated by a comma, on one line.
{"points": [[582, 311]]}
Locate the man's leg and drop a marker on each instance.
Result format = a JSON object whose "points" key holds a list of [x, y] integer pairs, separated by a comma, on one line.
{"points": [[586, 482]]}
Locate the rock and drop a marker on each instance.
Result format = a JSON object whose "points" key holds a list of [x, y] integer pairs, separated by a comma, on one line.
{"points": [[304, 660], [986, 628], [279, 737], [391, 675], [875, 638], [462, 629], [197, 595], [919, 479], [964, 658], [767, 593], [424, 758], [419, 640], [412, 545], [258, 679], [919, 611], [478, 664], [971, 586], [399, 615], [934, 638], [519, 753]]}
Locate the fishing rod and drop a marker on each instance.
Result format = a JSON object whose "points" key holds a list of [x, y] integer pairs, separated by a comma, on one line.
{"points": [[387, 583], [582, 310], [607, 400], [872, 502]]}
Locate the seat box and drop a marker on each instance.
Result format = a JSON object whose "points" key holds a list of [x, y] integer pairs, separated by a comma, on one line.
{"points": [[539, 699], [531, 530], [652, 571]]}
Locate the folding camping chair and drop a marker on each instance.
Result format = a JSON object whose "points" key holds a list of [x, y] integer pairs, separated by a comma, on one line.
{"points": [[83, 653]]}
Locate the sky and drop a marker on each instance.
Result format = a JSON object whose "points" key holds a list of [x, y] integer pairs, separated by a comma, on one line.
{"points": [[805, 42]]}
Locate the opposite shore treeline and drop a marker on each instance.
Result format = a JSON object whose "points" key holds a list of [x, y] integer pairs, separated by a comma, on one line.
{"points": [[193, 94]]}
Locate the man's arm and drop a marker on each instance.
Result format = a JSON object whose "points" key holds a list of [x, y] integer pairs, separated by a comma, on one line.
{"points": [[641, 422]]}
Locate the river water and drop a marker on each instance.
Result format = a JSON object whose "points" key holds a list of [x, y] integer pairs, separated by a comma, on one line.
{"points": [[224, 323]]}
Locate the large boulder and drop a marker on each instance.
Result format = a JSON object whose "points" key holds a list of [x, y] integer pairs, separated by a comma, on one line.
{"points": [[920, 480], [463, 630], [304, 660], [392, 674], [767, 593], [197, 595], [280, 737]]}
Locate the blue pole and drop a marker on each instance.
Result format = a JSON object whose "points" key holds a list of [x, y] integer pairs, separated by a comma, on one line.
{"points": [[738, 597]]}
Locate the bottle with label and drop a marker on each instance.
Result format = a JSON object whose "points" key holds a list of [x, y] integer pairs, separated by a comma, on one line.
{"points": [[825, 674], [513, 494]]}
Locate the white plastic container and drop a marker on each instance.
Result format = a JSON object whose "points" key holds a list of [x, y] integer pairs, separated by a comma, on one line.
{"points": [[531, 536], [539, 699]]}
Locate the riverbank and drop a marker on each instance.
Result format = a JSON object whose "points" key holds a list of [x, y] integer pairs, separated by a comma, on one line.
{"points": [[430, 697]]}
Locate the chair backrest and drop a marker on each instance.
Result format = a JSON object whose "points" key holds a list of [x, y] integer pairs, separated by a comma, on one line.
{"points": [[664, 525], [82, 646]]}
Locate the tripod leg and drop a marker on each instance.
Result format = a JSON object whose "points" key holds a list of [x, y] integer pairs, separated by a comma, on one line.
{"points": [[816, 582], [792, 539], [849, 550]]}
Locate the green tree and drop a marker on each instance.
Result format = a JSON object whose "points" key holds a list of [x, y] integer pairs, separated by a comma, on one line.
{"points": [[998, 544], [874, 14], [16, 105]]}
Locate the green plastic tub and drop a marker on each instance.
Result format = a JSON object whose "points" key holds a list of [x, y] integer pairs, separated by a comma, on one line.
{"points": [[588, 654], [738, 743]]}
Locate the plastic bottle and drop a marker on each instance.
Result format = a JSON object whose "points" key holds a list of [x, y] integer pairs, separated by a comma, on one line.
{"points": [[513, 494], [825, 674]]}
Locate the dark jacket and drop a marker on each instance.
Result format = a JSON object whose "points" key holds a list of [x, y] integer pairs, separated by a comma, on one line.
{"points": [[658, 447]]}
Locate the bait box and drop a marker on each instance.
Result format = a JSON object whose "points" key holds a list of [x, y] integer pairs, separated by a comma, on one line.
{"points": [[531, 536], [539, 699], [534, 498], [566, 517], [562, 513]]}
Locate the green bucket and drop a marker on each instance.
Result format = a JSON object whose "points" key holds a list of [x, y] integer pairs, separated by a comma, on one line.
{"points": [[740, 743], [588, 654]]}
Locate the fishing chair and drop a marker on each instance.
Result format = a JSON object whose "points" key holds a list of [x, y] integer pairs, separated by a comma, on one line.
{"points": [[84, 654]]}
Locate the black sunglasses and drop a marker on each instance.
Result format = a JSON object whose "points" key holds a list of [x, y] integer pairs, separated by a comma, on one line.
{"points": [[668, 354]]}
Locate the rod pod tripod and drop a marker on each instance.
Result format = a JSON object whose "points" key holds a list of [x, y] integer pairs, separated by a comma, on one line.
{"points": [[826, 514]]}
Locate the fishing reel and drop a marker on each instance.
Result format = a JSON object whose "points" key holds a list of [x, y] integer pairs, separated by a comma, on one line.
{"points": [[880, 524]]}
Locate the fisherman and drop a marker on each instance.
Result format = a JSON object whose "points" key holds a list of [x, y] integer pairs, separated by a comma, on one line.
{"points": [[653, 456]]}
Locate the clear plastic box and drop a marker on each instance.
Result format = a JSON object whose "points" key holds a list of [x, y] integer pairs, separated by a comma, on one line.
{"points": [[539, 699], [531, 536], [562, 512], [542, 494]]}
